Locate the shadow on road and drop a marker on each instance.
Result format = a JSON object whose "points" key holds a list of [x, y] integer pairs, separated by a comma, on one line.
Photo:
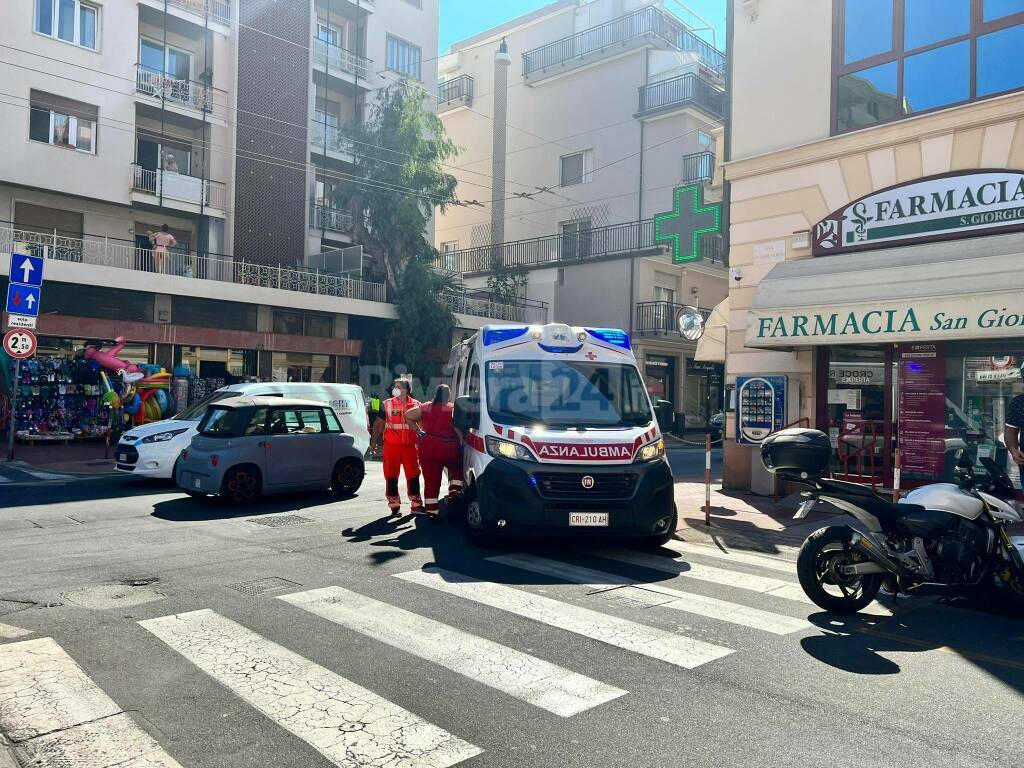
{"points": [[185, 508]]}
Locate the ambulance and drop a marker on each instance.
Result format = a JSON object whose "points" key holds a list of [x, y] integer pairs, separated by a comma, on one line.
{"points": [[560, 436]]}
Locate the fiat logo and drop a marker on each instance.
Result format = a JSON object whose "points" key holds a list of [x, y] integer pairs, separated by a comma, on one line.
{"points": [[588, 482]]}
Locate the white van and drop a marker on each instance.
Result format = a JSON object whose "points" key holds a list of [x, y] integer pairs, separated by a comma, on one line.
{"points": [[560, 435], [151, 450]]}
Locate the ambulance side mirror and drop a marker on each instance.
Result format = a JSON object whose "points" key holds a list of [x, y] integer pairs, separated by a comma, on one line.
{"points": [[467, 413]]}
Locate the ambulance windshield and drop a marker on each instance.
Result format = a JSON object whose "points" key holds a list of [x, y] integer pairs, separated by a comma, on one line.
{"points": [[557, 393]]}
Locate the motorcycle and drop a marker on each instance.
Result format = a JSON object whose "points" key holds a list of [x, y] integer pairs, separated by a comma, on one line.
{"points": [[953, 534]]}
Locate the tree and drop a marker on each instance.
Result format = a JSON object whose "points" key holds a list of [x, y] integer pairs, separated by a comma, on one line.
{"points": [[400, 152]]}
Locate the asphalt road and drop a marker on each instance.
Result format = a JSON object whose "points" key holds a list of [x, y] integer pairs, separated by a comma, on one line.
{"points": [[139, 627]]}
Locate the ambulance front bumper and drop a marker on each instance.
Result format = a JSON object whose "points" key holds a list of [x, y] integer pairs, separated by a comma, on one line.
{"points": [[543, 499]]}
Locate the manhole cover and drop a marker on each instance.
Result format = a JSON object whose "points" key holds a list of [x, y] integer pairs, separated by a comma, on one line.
{"points": [[633, 597], [107, 596], [255, 587], [55, 522], [280, 521]]}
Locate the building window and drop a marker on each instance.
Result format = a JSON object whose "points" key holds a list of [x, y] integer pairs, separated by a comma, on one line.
{"points": [[319, 325], [330, 34], [404, 57], [575, 169], [575, 239], [156, 58], [69, 20], [62, 122], [303, 324], [897, 58], [289, 323], [449, 246], [705, 141]]}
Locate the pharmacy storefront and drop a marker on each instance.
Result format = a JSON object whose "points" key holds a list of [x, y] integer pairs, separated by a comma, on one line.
{"points": [[912, 309]]}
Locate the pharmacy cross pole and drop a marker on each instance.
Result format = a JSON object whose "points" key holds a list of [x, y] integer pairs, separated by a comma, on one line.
{"points": [[689, 220]]}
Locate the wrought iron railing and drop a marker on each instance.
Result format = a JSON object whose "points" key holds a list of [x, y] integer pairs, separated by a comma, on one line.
{"points": [[331, 138], [183, 93], [698, 167], [455, 92], [330, 56], [122, 254], [688, 89], [329, 218], [648, 21], [181, 187], [660, 316]]}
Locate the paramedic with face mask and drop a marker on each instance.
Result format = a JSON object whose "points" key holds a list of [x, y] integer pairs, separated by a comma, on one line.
{"points": [[400, 448]]}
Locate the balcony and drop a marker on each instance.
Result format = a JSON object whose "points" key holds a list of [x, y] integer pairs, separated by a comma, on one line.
{"points": [[340, 62], [634, 30], [325, 217], [699, 168], [660, 318], [331, 141], [680, 92], [482, 304], [179, 191], [457, 92], [568, 248], [198, 12], [186, 97]]}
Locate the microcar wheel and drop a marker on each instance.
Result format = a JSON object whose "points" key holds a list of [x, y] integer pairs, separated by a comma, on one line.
{"points": [[240, 485], [348, 476]]}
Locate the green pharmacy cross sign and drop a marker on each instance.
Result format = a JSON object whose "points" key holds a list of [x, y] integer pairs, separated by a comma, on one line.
{"points": [[687, 222]]}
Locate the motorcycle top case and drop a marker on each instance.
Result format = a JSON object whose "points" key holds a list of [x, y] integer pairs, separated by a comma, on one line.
{"points": [[796, 454]]}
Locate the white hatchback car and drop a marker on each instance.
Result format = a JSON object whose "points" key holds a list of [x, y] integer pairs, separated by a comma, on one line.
{"points": [[152, 450]]}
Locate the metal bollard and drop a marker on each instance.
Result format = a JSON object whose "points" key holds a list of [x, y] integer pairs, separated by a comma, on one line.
{"points": [[707, 481]]}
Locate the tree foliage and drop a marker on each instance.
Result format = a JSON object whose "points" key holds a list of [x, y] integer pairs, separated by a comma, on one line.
{"points": [[400, 154]]}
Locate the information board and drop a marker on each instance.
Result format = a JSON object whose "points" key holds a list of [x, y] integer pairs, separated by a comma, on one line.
{"points": [[760, 407], [922, 408]]}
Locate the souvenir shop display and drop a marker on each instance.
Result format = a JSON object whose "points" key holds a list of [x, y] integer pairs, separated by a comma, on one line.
{"points": [[60, 398]]}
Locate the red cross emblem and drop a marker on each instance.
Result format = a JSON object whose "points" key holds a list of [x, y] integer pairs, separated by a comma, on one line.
{"points": [[591, 356]]}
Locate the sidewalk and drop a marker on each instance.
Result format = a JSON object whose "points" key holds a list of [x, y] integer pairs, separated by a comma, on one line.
{"points": [[743, 520]]}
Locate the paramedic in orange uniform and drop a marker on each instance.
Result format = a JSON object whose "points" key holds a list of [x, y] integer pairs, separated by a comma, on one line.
{"points": [[440, 447], [400, 448]]}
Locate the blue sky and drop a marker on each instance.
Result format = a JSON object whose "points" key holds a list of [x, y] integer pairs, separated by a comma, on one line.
{"points": [[464, 18]]}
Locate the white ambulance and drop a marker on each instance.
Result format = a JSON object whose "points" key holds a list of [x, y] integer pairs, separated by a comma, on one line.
{"points": [[561, 438]]}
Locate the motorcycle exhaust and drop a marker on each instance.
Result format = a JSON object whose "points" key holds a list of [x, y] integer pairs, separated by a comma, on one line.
{"points": [[867, 547]]}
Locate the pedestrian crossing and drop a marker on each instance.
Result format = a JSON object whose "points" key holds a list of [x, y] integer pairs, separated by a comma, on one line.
{"points": [[19, 473], [53, 712]]}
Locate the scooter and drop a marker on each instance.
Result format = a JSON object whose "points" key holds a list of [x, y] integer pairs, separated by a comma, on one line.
{"points": [[954, 534]]}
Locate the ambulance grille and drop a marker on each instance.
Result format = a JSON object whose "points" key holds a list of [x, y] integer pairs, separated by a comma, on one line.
{"points": [[570, 485]]}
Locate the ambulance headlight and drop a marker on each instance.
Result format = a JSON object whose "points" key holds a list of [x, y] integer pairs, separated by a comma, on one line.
{"points": [[506, 449], [651, 451]]}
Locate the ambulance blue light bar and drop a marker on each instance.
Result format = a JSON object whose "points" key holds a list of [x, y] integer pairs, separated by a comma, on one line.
{"points": [[611, 336], [498, 335]]}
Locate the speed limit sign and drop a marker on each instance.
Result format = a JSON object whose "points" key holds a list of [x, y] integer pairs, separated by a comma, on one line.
{"points": [[19, 343]]}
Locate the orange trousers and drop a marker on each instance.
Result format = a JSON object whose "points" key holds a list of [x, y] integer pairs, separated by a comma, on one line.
{"points": [[398, 457]]}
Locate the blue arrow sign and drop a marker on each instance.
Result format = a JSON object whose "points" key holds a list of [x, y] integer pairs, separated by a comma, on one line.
{"points": [[27, 270], [22, 300]]}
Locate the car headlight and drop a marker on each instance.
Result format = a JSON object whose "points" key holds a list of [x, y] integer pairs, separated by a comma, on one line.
{"points": [[651, 451], [506, 449], [163, 437]]}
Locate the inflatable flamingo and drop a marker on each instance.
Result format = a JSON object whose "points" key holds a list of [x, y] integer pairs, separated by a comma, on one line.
{"points": [[109, 360]]}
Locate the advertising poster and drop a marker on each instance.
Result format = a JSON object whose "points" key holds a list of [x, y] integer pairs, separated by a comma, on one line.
{"points": [[761, 402], [922, 408]]}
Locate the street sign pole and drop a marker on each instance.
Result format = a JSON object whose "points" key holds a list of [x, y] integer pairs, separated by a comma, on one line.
{"points": [[14, 409]]}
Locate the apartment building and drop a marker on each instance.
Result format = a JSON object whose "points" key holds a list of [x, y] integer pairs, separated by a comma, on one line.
{"points": [[577, 122], [876, 230], [221, 121]]}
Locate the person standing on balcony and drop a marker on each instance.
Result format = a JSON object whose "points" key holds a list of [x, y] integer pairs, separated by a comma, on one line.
{"points": [[162, 242], [170, 164], [400, 448], [440, 447]]}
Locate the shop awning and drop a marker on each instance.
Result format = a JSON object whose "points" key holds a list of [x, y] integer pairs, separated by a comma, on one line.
{"points": [[711, 346], [962, 289]]}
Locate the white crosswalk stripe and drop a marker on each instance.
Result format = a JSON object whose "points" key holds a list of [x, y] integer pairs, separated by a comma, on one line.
{"points": [[56, 716], [518, 674], [702, 605], [675, 649], [350, 725], [7, 632], [733, 556], [766, 585]]}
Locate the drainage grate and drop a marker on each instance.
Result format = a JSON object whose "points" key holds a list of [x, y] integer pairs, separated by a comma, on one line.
{"points": [[55, 522], [635, 597], [255, 587], [279, 521]]}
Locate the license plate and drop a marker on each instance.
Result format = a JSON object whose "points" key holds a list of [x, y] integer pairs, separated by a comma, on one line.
{"points": [[197, 482], [804, 509], [123, 458], [588, 519]]}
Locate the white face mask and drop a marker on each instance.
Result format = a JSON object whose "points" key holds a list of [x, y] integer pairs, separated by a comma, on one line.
{"points": [[396, 392]]}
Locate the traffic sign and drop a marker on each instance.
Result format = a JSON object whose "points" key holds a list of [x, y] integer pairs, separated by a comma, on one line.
{"points": [[22, 300], [21, 321], [19, 344], [27, 270]]}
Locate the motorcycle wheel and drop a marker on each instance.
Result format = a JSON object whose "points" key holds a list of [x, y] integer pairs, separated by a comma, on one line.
{"points": [[821, 556]]}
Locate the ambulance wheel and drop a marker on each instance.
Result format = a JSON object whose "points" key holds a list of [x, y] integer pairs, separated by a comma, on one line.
{"points": [[473, 523]]}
